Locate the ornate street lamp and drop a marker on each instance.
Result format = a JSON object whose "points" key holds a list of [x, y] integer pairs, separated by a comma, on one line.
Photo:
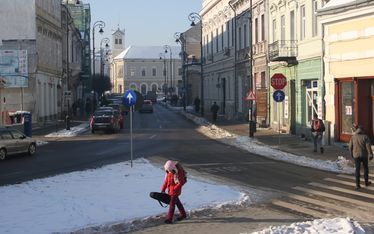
{"points": [[162, 56], [106, 42], [101, 25], [194, 17], [167, 49], [179, 38]]}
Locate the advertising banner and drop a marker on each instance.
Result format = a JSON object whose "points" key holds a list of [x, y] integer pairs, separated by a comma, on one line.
{"points": [[13, 68]]}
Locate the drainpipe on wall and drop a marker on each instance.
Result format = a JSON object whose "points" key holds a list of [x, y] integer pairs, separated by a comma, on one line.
{"points": [[327, 135]]}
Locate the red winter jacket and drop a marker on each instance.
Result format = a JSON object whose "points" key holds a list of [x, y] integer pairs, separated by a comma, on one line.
{"points": [[173, 183]]}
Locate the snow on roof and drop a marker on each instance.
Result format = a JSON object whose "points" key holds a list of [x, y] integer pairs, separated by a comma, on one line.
{"points": [[340, 4], [148, 52]]}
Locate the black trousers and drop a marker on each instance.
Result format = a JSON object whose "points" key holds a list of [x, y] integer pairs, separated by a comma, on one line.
{"points": [[365, 163]]}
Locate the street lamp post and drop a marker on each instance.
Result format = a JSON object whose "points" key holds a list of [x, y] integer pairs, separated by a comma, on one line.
{"points": [[167, 47], [106, 42], [162, 56], [101, 25], [179, 38], [193, 17]]}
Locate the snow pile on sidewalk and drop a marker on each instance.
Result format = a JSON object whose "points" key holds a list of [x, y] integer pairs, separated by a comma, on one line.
{"points": [[74, 131], [113, 193], [253, 146], [336, 225]]}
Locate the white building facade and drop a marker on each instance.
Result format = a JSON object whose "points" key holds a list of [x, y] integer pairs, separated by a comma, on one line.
{"points": [[38, 32], [147, 68]]}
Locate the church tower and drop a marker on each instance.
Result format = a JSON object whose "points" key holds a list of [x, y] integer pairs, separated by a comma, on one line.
{"points": [[118, 42]]}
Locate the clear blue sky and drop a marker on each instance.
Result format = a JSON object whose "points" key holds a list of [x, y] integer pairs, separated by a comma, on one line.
{"points": [[146, 22]]}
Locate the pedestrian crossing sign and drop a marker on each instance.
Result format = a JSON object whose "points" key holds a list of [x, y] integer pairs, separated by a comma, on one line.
{"points": [[250, 96]]}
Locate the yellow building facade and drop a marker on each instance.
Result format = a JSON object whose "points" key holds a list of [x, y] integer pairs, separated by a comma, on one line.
{"points": [[348, 40]]}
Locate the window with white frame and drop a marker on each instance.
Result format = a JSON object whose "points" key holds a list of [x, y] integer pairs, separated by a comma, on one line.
{"points": [[228, 33], [283, 29], [302, 23], [274, 30], [154, 71], [132, 71], [292, 26], [314, 19], [222, 37], [240, 38], [262, 27], [217, 38], [143, 71], [311, 98], [245, 39], [256, 30]]}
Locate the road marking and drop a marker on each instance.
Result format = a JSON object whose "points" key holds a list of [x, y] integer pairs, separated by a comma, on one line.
{"points": [[299, 208], [153, 136], [353, 177], [343, 190], [353, 184], [219, 164], [335, 197], [339, 208]]}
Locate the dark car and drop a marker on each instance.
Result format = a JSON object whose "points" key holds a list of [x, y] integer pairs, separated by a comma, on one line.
{"points": [[106, 120], [13, 141], [147, 106]]}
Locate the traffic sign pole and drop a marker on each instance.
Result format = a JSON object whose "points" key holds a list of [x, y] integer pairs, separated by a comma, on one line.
{"points": [[131, 150]]}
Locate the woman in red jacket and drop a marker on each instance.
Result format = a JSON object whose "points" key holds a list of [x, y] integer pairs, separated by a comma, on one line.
{"points": [[174, 180]]}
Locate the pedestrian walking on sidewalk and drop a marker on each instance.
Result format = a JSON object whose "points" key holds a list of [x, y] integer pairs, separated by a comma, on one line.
{"points": [[197, 104], [361, 152], [317, 127], [174, 180], [214, 109]]}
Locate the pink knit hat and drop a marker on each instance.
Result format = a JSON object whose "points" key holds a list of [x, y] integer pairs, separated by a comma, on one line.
{"points": [[170, 165]]}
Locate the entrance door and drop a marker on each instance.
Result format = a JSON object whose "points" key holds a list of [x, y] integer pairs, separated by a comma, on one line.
{"points": [[346, 109], [364, 105]]}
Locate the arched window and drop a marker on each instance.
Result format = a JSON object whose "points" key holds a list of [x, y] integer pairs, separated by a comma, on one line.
{"points": [[143, 89], [154, 87]]}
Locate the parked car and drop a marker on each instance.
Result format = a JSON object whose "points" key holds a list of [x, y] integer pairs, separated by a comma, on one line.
{"points": [[146, 107], [13, 141], [106, 120]]}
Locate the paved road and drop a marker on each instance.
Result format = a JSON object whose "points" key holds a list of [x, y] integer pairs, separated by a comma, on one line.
{"points": [[166, 135]]}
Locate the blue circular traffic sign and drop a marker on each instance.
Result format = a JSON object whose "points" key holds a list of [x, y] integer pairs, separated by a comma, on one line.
{"points": [[278, 96], [129, 98]]}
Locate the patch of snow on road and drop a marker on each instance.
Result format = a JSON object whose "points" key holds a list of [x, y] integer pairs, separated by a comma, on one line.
{"points": [[74, 131]]}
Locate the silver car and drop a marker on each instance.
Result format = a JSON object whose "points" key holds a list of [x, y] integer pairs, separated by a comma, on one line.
{"points": [[13, 141]]}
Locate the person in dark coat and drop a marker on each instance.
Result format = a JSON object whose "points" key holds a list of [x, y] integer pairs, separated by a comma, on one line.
{"points": [[317, 128], [197, 104], [214, 109], [173, 182], [361, 152]]}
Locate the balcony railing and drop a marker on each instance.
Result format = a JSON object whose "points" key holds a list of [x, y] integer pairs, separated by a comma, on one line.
{"points": [[259, 48], [283, 51]]}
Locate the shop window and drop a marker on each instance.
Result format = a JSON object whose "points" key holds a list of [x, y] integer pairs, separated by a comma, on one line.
{"points": [[311, 98], [347, 107]]}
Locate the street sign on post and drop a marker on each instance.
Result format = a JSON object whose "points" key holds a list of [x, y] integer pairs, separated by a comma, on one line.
{"points": [[250, 96], [278, 81], [278, 96], [129, 98]]}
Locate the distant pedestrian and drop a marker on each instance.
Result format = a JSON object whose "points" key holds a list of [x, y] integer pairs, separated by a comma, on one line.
{"points": [[75, 107], [317, 127], [174, 180], [88, 106], [361, 152], [197, 104], [214, 109]]}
